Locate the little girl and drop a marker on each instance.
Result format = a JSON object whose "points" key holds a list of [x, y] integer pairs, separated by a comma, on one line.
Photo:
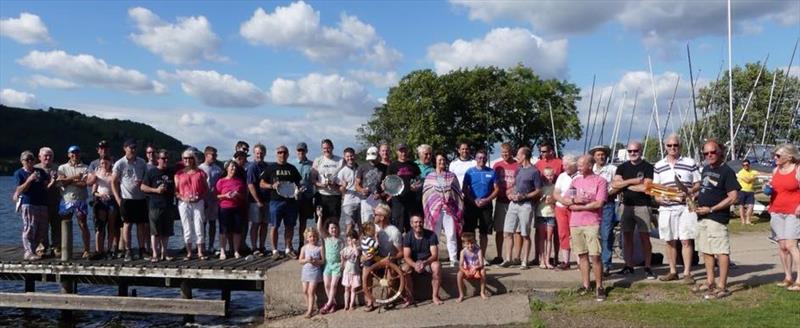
{"points": [[312, 257], [471, 267], [333, 245], [351, 277], [545, 220]]}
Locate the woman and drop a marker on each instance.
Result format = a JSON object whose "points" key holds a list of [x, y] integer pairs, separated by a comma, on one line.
{"points": [[191, 189], [106, 210], [231, 192], [562, 213], [443, 205], [784, 210]]}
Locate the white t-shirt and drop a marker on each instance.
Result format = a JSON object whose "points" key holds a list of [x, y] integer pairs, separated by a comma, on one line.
{"points": [[686, 169], [347, 177], [388, 238], [460, 167], [328, 168], [563, 182], [131, 174]]}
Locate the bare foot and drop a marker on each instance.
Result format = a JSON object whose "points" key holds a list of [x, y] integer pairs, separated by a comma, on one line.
{"points": [[460, 298], [484, 296], [437, 301], [308, 315]]}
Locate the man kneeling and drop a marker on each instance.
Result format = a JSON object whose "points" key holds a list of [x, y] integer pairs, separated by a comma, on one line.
{"points": [[420, 256]]}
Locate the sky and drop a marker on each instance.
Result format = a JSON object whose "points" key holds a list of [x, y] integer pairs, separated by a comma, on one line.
{"points": [[281, 72]]}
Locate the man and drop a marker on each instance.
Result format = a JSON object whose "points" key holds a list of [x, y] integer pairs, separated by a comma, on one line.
{"points": [[717, 194], [421, 256], [213, 172], [72, 178], [601, 168], [405, 203], [127, 179], [102, 151], [548, 158], [258, 200], [585, 208], [462, 163], [53, 245], [504, 170], [631, 177], [151, 156], [240, 158], [424, 157], [325, 169], [159, 185], [389, 248], [31, 196], [385, 153], [480, 189], [305, 201], [746, 177], [527, 189], [282, 208], [351, 200], [368, 184], [674, 221]]}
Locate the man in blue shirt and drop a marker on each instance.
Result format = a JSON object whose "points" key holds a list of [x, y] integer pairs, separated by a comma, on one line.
{"points": [[305, 201], [480, 189], [258, 200]]}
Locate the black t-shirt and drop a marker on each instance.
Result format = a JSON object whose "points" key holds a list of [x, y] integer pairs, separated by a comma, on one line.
{"points": [[371, 176], [406, 170], [714, 187], [629, 171], [156, 177], [280, 172], [420, 248]]}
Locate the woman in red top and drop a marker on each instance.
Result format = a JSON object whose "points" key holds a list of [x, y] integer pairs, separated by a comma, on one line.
{"points": [[191, 188], [784, 210], [231, 192]]}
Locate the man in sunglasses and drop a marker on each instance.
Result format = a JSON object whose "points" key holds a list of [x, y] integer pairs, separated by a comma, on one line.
{"points": [[674, 223], [746, 177], [717, 193], [548, 158], [631, 178], [127, 180]]}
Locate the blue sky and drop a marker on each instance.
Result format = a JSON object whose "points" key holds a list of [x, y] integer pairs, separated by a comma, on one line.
{"points": [[280, 72]]}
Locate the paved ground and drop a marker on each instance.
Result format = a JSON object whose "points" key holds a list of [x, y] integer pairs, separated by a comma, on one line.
{"points": [[755, 257]]}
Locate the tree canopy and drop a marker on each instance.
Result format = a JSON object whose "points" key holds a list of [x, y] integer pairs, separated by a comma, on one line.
{"points": [[482, 106]]}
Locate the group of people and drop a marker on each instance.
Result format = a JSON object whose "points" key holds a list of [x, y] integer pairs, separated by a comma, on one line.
{"points": [[566, 206]]}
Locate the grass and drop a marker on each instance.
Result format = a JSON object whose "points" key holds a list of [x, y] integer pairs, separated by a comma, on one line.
{"points": [[672, 305]]}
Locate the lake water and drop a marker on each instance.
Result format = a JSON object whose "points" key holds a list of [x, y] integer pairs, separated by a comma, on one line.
{"points": [[246, 308]]}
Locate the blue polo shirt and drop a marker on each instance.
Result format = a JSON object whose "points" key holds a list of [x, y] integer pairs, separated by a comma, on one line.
{"points": [[36, 194], [480, 181]]}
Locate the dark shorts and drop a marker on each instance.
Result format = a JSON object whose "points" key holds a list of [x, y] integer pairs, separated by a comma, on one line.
{"points": [[305, 208], [230, 220], [282, 211], [133, 211], [331, 205], [403, 207], [478, 218], [162, 221], [108, 205], [746, 198]]}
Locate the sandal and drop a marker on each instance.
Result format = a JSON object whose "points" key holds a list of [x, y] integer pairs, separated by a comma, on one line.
{"points": [[153, 259], [703, 288], [715, 295], [795, 287], [785, 283]]}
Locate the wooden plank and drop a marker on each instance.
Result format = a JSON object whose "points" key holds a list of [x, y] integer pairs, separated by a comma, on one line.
{"points": [[125, 271], [112, 303]]}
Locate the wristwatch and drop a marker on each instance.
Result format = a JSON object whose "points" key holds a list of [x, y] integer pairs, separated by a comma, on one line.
{"points": [[710, 209]]}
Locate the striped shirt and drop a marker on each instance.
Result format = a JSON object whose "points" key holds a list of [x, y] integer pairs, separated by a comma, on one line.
{"points": [[686, 169]]}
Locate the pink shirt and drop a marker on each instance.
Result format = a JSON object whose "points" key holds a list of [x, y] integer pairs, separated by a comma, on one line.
{"points": [[592, 187], [505, 179], [191, 183], [227, 185]]}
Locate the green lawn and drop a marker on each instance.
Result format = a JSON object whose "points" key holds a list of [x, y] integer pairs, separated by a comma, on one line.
{"points": [[671, 305]]}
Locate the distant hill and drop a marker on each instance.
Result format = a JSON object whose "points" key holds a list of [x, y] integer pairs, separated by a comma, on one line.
{"points": [[22, 129]]}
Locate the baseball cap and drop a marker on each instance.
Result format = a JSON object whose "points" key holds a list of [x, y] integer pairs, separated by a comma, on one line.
{"points": [[102, 144], [74, 149], [130, 143], [302, 146], [372, 153], [401, 146]]}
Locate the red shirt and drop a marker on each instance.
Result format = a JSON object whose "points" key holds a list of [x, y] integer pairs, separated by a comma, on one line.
{"points": [[785, 192], [192, 183], [226, 185], [505, 179], [554, 164]]}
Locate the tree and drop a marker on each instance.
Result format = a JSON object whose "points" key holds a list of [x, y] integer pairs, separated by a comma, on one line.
{"points": [[482, 106]]}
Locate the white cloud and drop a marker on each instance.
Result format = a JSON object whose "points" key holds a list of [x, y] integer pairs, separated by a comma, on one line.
{"points": [[14, 98], [377, 79], [187, 41], [503, 47], [51, 82], [27, 29], [86, 69], [218, 90], [322, 91], [297, 26]]}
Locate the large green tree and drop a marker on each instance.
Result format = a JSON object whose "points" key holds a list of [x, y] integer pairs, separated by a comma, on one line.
{"points": [[483, 106]]}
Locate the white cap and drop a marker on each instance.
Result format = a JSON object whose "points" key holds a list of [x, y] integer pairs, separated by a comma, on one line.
{"points": [[372, 153]]}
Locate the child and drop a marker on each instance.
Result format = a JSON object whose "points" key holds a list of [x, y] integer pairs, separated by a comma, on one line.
{"points": [[333, 245], [545, 220], [471, 267], [369, 245], [312, 257], [351, 277]]}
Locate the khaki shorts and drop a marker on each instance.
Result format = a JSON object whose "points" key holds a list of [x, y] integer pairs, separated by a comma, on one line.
{"points": [[712, 237], [635, 217], [585, 239], [500, 210]]}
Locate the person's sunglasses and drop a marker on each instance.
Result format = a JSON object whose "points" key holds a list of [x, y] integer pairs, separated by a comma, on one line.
{"points": [[188, 158], [633, 151], [282, 152], [164, 158], [673, 145], [706, 153]]}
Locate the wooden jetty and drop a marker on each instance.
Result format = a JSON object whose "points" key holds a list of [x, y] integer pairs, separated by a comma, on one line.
{"points": [[225, 275]]}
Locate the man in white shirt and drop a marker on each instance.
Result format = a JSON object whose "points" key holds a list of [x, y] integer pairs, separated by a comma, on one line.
{"points": [[351, 201], [323, 173], [462, 163]]}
